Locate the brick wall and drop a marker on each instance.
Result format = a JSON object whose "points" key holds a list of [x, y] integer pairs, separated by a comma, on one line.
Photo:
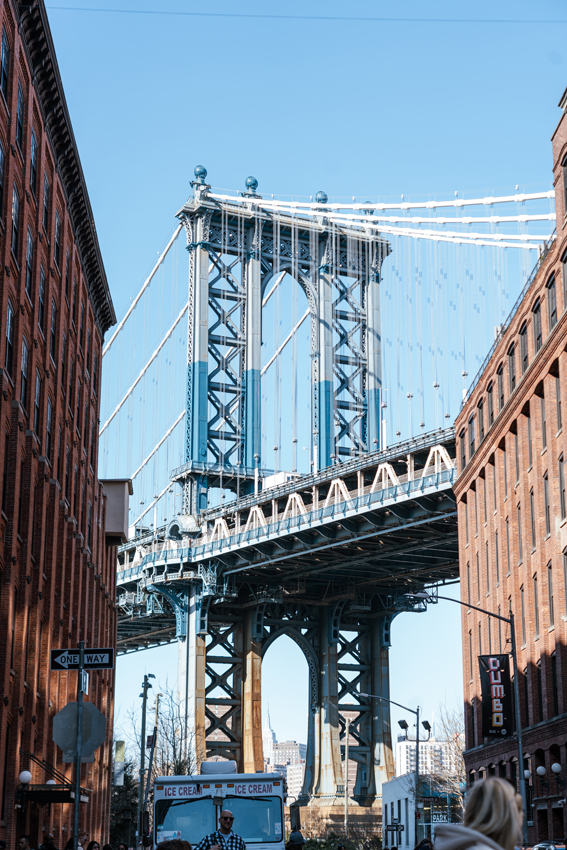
{"points": [[513, 526], [57, 576]]}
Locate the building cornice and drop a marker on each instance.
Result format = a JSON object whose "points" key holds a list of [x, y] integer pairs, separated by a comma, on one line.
{"points": [[36, 36]]}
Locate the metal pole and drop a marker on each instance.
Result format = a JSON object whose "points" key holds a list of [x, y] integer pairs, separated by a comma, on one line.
{"points": [[152, 751], [347, 733], [519, 728], [416, 774], [145, 687], [77, 801]]}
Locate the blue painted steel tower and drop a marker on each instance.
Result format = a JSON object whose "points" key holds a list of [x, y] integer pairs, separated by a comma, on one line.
{"points": [[237, 249]]}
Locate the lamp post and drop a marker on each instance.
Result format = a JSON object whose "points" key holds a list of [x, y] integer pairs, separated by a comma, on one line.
{"points": [[510, 620], [404, 725]]}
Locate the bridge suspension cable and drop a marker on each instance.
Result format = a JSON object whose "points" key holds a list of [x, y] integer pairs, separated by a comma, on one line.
{"points": [[133, 386]]}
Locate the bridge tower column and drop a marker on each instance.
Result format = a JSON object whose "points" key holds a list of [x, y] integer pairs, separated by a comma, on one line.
{"points": [[325, 424], [252, 376], [328, 751], [374, 360], [381, 731], [252, 748]]}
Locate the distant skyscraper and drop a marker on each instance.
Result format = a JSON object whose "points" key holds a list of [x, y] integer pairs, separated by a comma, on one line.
{"points": [[268, 741]]}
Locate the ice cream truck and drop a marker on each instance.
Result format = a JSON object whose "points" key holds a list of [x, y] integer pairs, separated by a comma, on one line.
{"points": [[188, 807]]}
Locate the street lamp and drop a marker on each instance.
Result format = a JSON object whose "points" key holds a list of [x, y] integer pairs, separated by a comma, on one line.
{"points": [[427, 597], [404, 725]]}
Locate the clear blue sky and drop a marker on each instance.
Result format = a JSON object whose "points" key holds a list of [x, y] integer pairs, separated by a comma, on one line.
{"points": [[363, 108]]}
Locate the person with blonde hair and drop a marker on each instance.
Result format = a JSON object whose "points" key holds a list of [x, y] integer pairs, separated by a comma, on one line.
{"points": [[493, 819]]}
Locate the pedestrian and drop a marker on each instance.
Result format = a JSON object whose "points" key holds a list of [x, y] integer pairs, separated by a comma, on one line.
{"points": [[493, 819], [93, 845], [224, 838], [122, 846], [48, 843], [107, 847], [24, 843], [296, 840], [425, 844]]}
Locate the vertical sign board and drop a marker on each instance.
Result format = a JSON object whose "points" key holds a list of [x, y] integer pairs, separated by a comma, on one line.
{"points": [[496, 689]]}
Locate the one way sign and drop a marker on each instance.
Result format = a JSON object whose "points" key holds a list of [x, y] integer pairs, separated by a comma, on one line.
{"points": [[95, 659]]}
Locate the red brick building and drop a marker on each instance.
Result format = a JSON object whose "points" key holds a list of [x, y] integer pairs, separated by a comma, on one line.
{"points": [[512, 512], [57, 564]]}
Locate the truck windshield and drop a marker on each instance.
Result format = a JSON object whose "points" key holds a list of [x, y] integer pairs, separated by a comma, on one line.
{"points": [[258, 820], [189, 820]]}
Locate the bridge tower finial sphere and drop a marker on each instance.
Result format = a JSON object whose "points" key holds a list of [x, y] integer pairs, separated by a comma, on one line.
{"points": [[321, 198], [251, 184], [200, 173]]}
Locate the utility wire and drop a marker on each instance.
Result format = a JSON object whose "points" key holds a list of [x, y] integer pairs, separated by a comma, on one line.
{"points": [[332, 18]]}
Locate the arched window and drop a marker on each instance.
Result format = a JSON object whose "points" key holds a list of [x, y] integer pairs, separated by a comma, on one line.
{"points": [[512, 368], [524, 347]]}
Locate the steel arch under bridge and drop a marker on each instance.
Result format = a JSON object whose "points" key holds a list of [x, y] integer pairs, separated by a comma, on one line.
{"points": [[325, 559]]}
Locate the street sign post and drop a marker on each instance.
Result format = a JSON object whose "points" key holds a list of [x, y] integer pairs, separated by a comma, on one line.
{"points": [[94, 659]]}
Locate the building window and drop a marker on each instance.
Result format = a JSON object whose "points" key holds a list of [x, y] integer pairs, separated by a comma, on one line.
{"points": [[480, 414], [5, 64], [67, 265], [505, 473], [562, 499], [500, 382], [48, 427], [536, 606], [551, 303], [95, 373], [494, 483], [484, 489], [490, 404], [78, 417], [37, 402], [477, 577], [517, 456], [564, 279], [565, 579], [89, 526], [536, 318], [554, 684], [471, 436], [92, 459], [475, 513], [64, 365], [479, 639], [57, 241], [29, 265], [20, 118], [499, 631], [74, 308], [547, 505], [53, 338], [550, 594], [463, 449], [41, 305], [24, 373], [558, 403], [519, 517], [512, 368], [82, 326], [469, 583], [67, 471], [487, 567], [524, 347], [33, 164], [523, 612], [9, 361], [470, 654], [496, 558], [539, 691], [543, 423], [526, 699], [46, 203], [71, 376], [532, 518], [529, 424], [15, 222], [88, 357]]}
